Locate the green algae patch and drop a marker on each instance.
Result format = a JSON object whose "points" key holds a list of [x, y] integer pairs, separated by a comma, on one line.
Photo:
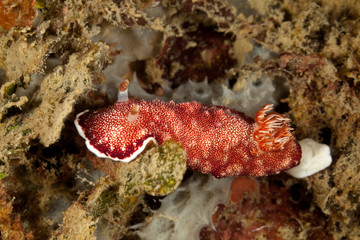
{"points": [[8, 89], [17, 123], [40, 4], [108, 199], [158, 172]]}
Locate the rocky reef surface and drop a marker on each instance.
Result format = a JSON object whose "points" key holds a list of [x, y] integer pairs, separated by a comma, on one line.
{"points": [[58, 58]]}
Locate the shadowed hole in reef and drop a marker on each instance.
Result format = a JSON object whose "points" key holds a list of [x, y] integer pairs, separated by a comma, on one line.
{"points": [[296, 191], [138, 215], [130, 237], [325, 134], [154, 202], [299, 195]]}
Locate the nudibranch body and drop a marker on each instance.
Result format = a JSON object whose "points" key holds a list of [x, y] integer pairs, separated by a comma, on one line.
{"points": [[218, 140]]}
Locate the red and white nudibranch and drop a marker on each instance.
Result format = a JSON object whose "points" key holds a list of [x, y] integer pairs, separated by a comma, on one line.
{"points": [[218, 140]]}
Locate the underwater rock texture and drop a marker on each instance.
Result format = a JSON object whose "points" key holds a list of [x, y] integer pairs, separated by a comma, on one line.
{"points": [[107, 210], [266, 209], [58, 58]]}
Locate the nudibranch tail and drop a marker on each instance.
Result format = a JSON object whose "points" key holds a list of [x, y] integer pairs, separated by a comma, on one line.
{"points": [[272, 130], [123, 91]]}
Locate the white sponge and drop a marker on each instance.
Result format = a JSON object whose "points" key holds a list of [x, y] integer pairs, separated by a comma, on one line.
{"points": [[185, 212], [315, 157]]}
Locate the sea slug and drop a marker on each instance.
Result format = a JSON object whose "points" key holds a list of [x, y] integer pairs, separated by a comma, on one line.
{"points": [[218, 140]]}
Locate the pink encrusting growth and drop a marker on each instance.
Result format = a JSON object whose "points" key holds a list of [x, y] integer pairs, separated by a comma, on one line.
{"points": [[217, 140]]}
